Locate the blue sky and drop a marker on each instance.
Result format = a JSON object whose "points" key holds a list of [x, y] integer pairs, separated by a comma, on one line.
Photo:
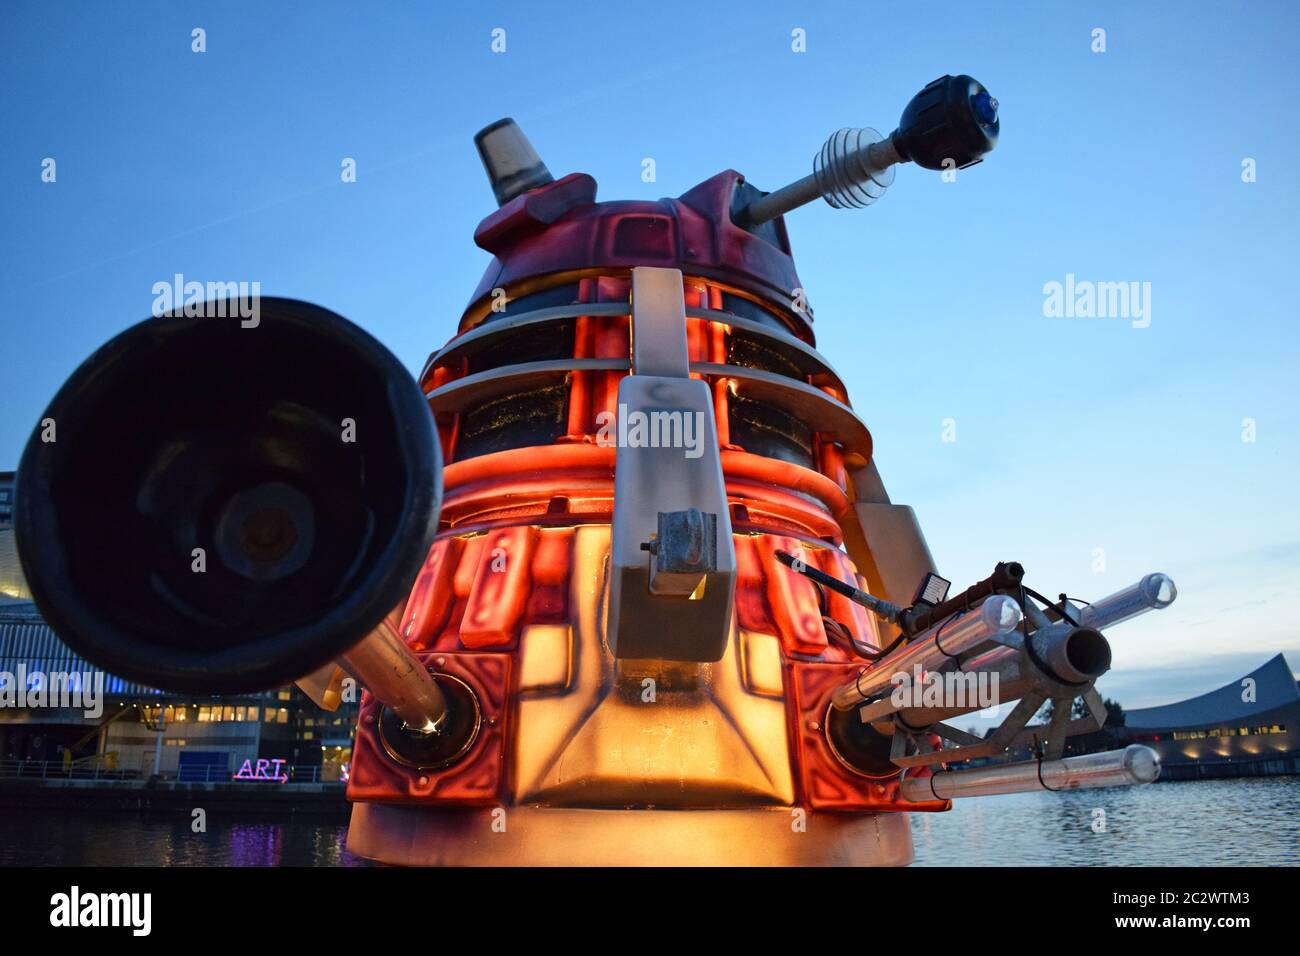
{"points": [[1072, 434]]}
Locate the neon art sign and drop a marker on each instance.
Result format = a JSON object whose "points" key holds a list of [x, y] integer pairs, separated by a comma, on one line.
{"points": [[264, 770]]}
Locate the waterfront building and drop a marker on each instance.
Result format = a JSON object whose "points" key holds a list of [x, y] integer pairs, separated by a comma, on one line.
{"points": [[142, 732], [1249, 727]]}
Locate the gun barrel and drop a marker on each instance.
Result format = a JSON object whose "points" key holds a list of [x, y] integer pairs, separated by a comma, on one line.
{"points": [[1153, 592], [1075, 655], [933, 649], [1134, 765]]}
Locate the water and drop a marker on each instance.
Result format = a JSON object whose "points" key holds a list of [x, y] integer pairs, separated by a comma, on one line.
{"points": [[1240, 822], [1198, 823], [76, 838]]}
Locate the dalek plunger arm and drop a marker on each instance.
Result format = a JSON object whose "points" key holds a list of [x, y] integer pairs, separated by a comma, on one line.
{"points": [[951, 124]]}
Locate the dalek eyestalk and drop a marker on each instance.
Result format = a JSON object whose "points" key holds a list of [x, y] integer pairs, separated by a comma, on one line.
{"points": [[852, 170], [951, 124]]}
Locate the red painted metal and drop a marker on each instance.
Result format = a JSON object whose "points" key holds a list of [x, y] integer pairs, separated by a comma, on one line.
{"points": [[559, 229], [825, 783], [474, 780]]}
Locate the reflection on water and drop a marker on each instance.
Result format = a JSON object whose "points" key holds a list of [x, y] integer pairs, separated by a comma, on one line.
{"points": [[75, 838], [1243, 822], [1202, 823]]}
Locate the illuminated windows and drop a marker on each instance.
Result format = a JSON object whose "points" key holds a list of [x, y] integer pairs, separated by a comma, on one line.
{"points": [[1226, 732]]}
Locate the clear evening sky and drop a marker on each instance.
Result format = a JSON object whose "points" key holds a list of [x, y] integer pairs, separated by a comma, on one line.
{"points": [[1072, 434]]}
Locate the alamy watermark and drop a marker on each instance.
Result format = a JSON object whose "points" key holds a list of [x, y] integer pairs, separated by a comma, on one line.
{"points": [[655, 428], [1084, 299], [133, 911], [950, 689], [199, 300], [56, 690]]}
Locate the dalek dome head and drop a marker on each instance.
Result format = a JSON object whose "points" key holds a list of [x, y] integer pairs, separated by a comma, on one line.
{"points": [[548, 234]]}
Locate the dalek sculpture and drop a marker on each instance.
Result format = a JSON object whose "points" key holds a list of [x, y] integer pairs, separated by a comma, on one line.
{"points": [[656, 605]]}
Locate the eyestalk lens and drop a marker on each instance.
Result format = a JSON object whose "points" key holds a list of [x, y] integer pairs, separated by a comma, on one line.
{"points": [[986, 107]]}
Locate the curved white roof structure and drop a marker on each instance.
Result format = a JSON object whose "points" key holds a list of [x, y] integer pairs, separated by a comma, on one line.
{"points": [[1274, 687]]}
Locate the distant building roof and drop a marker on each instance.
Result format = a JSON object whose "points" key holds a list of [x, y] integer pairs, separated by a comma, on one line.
{"points": [[1275, 686], [26, 640]]}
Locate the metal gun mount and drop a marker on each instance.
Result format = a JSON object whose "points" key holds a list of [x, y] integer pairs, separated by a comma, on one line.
{"points": [[1055, 655], [993, 631]]}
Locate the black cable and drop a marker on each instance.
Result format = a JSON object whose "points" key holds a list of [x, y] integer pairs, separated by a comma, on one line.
{"points": [[843, 631], [1029, 644], [939, 633], [1038, 752], [1042, 600], [843, 634], [877, 655], [1024, 630]]}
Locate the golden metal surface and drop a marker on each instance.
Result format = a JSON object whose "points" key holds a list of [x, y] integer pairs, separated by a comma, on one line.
{"points": [[539, 836], [647, 733], [760, 658], [545, 659]]}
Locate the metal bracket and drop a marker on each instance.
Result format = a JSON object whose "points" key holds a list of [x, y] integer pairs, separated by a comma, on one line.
{"points": [[670, 498], [659, 324], [685, 550], [1095, 720], [1000, 740]]}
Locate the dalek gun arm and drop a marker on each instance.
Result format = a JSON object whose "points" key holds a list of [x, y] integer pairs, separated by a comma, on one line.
{"points": [[992, 635], [951, 124]]}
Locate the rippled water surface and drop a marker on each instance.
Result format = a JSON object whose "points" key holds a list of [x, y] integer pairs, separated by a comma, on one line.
{"points": [[1243, 822], [124, 839], [1202, 823]]}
